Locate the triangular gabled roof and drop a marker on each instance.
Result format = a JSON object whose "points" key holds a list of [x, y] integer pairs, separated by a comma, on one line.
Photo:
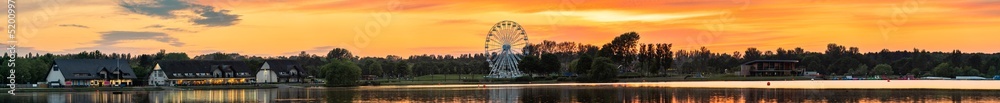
{"points": [[285, 66], [71, 67]]}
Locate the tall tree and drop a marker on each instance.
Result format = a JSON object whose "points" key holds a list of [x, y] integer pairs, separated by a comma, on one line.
{"points": [[751, 54], [529, 64], [955, 58], [621, 49], [975, 61], [588, 50], [373, 67], [550, 63], [339, 53], [583, 64], [834, 50], [664, 57]]}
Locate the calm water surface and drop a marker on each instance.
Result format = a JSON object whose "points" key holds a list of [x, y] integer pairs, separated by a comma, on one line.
{"points": [[531, 94]]}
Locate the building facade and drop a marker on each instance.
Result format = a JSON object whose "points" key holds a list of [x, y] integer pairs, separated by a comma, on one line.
{"points": [[90, 72], [200, 72], [282, 71], [770, 68]]}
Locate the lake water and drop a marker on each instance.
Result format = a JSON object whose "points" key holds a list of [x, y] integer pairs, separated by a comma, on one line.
{"points": [[515, 93]]}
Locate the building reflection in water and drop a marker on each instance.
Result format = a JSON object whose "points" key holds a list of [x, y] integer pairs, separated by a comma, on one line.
{"points": [[505, 94], [93, 97], [235, 95]]}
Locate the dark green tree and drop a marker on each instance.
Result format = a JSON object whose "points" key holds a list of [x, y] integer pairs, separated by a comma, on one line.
{"points": [[844, 65], [969, 71], [583, 64], [621, 49], [955, 58], [943, 70], [916, 72], [404, 69], [341, 73], [882, 69], [339, 53], [861, 70], [992, 71], [588, 50], [603, 70], [663, 56], [751, 54], [550, 63], [529, 64], [176, 56], [975, 61], [30, 70], [143, 66], [374, 67]]}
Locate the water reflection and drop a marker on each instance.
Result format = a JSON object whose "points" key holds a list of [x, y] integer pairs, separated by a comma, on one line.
{"points": [[545, 94]]}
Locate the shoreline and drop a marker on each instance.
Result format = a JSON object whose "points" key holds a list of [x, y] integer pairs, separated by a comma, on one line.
{"points": [[142, 88], [791, 84], [775, 84]]}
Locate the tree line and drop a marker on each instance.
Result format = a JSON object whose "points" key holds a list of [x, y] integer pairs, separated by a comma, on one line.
{"points": [[623, 54]]}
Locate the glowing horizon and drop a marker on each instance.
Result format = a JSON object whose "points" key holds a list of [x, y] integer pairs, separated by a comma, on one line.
{"points": [[400, 27]]}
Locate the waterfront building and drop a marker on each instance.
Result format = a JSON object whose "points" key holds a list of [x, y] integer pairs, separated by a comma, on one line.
{"points": [[282, 71], [200, 72], [90, 72], [770, 68]]}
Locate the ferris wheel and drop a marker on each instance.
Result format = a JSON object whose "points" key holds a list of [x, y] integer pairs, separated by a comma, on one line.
{"points": [[504, 47]]}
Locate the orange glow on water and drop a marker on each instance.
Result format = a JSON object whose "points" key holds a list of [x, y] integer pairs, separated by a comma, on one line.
{"points": [[802, 84]]}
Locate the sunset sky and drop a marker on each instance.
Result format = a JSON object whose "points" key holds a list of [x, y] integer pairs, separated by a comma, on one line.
{"points": [[413, 27]]}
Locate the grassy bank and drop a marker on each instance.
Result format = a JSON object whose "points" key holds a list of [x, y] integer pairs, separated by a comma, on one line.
{"points": [[262, 86], [479, 79], [439, 77], [453, 79], [717, 78]]}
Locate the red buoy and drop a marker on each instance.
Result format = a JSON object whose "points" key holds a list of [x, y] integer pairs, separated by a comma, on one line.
{"points": [[768, 83]]}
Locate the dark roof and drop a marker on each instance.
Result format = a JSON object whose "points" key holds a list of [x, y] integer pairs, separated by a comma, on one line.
{"points": [[92, 68], [285, 66], [204, 66], [771, 61]]}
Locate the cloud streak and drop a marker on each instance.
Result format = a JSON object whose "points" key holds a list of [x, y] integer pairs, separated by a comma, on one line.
{"points": [[154, 26], [172, 9], [179, 30], [74, 25], [618, 16], [115, 37]]}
